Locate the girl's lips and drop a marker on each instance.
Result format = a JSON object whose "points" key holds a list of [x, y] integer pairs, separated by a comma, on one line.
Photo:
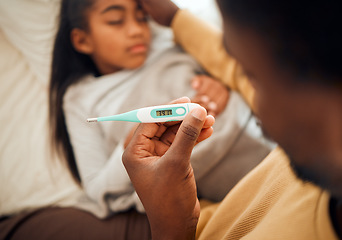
{"points": [[139, 48]]}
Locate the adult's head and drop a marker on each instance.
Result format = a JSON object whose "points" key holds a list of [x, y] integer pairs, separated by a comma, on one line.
{"points": [[292, 51]]}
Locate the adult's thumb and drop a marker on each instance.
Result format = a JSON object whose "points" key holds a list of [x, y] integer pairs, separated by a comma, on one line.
{"points": [[187, 134]]}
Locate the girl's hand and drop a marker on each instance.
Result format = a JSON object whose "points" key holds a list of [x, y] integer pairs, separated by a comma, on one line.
{"points": [[162, 11], [211, 94], [157, 160]]}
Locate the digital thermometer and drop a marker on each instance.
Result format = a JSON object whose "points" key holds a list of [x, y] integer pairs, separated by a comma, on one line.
{"points": [[163, 113]]}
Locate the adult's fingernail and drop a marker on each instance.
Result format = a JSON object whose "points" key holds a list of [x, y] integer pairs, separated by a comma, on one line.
{"points": [[199, 114]]}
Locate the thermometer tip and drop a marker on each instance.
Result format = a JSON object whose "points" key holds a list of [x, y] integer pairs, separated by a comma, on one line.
{"points": [[91, 120]]}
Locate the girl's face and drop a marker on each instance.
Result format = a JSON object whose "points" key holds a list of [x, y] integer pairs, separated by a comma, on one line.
{"points": [[118, 36]]}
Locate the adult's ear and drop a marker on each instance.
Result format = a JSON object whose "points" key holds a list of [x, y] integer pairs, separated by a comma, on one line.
{"points": [[81, 41]]}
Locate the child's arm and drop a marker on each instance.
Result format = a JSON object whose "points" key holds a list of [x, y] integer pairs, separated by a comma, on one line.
{"points": [[205, 44], [202, 41]]}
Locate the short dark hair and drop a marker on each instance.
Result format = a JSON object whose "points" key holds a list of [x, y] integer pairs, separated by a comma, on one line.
{"points": [[306, 35]]}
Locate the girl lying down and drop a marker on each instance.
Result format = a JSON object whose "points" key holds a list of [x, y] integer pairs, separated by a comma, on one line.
{"points": [[107, 60]]}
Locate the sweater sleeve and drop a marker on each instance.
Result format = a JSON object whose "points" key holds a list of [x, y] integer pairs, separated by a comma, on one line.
{"points": [[103, 175], [204, 43]]}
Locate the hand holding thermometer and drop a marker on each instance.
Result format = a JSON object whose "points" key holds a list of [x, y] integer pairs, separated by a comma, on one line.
{"points": [[163, 113]]}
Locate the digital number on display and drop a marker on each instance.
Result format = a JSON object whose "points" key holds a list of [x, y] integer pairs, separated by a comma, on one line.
{"points": [[164, 113]]}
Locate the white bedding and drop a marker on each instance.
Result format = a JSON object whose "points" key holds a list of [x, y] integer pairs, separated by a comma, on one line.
{"points": [[29, 178]]}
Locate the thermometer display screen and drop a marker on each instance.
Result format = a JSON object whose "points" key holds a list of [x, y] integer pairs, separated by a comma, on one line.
{"points": [[164, 113]]}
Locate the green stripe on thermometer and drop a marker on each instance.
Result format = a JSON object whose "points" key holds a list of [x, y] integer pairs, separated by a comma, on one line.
{"points": [[163, 113]]}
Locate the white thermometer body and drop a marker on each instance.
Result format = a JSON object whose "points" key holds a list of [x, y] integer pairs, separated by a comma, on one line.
{"points": [[163, 113]]}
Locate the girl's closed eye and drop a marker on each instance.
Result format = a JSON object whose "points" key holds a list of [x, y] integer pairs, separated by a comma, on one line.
{"points": [[116, 21], [141, 16], [115, 18]]}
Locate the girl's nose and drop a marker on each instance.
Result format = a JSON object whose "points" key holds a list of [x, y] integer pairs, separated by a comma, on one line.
{"points": [[135, 28]]}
